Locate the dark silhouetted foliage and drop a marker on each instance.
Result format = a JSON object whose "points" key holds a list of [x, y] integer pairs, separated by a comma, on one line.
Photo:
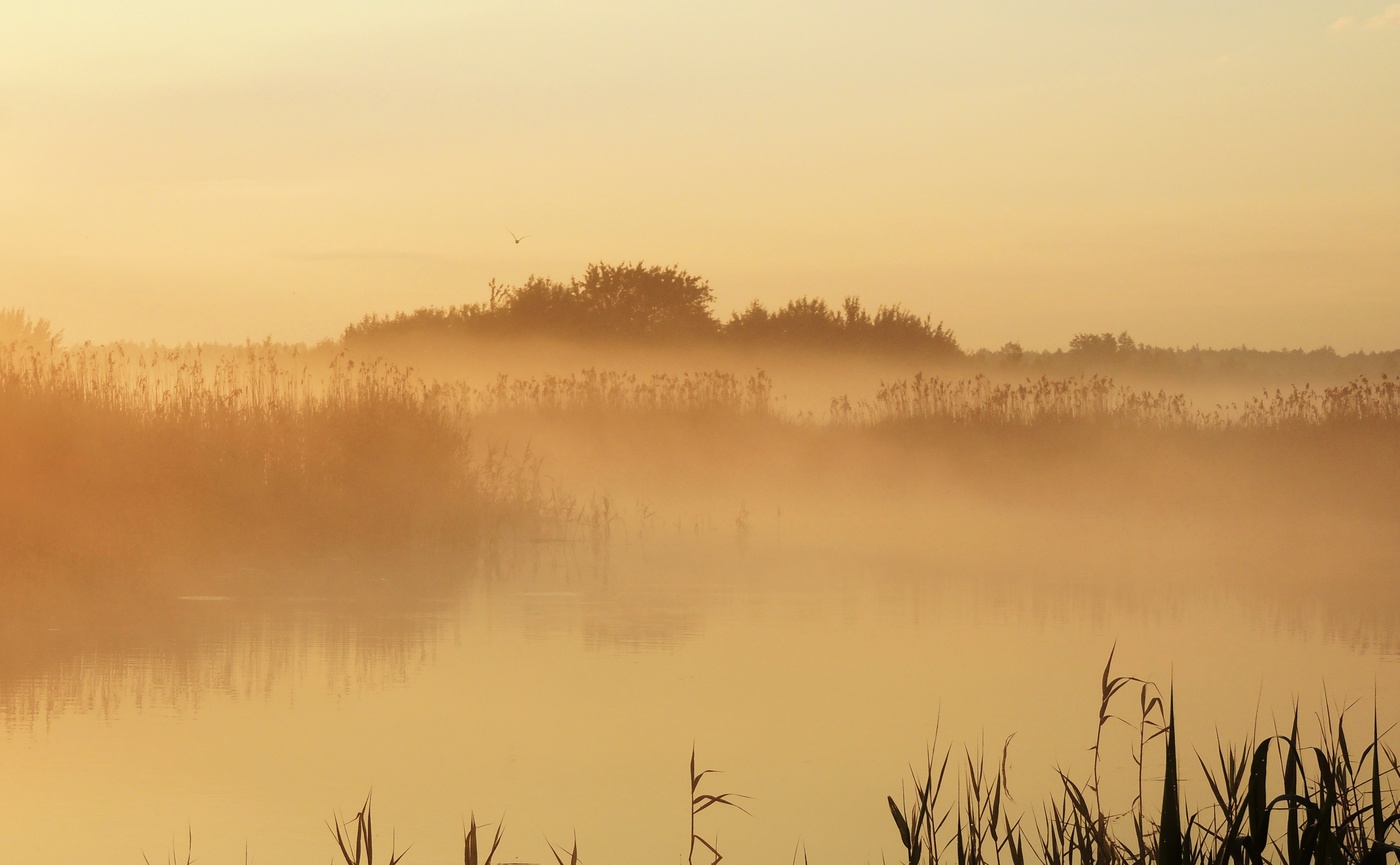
{"points": [[632, 299], [810, 321], [636, 301], [1101, 345], [626, 300]]}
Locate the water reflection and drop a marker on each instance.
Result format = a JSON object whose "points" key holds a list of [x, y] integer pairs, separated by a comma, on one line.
{"points": [[171, 651], [103, 651], [567, 691]]}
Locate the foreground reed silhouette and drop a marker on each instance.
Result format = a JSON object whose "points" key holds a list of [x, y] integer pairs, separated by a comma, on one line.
{"points": [[1282, 800], [1319, 805], [355, 839]]}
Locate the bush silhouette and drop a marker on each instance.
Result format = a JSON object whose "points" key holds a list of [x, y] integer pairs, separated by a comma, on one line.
{"points": [[811, 321], [638, 301]]}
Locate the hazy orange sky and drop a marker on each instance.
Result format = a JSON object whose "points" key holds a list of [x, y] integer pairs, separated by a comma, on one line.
{"points": [[1216, 172]]}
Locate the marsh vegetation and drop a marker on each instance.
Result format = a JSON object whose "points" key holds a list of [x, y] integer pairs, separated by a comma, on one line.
{"points": [[127, 454], [1281, 798], [606, 463]]}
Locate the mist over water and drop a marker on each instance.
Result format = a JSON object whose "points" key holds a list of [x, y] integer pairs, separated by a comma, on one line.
{"points": [[1027, 407], [681, 547], [565, 695]]}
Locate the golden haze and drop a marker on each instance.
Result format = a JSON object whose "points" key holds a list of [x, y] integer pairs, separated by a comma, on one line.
{"points": [[1186, 172]]}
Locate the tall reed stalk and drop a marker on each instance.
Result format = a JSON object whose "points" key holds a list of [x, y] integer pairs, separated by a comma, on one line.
{"points": [[1338, 808]]}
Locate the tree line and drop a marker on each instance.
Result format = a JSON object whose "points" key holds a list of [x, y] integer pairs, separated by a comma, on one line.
{"points": [[649, 302], [639, 302]]}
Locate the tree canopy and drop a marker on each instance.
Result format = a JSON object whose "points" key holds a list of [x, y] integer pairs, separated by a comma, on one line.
{"points": [[639, 301]]}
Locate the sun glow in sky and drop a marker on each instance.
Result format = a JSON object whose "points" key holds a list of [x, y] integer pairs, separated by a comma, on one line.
{"points": [[1192, 172]]}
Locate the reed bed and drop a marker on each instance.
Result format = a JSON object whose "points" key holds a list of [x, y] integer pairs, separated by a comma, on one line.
{"points": [[980, 402], [129, 454], [132, 454], [607, 391], [267, 381], [117, 455]]}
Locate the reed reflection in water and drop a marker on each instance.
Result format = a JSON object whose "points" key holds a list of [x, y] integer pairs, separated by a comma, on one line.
{"points": [[567, 696]]}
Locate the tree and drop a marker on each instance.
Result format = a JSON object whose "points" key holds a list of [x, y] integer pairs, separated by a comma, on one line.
{"points": [[540, 305], [637, 300], [17, 327]]}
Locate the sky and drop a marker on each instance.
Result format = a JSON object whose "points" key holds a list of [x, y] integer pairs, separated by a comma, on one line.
{"points": [[1204, 172]]}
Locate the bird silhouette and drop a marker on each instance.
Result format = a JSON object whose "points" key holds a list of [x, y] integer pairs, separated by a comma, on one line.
{"points": [[516, 239]]}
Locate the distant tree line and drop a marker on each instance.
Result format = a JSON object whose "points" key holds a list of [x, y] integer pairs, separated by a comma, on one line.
{"points": [[1108, 352], [637, 301], [667, 304]]}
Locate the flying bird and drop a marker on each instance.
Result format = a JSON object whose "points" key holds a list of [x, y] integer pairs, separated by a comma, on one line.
{"points": [[516, 239]]}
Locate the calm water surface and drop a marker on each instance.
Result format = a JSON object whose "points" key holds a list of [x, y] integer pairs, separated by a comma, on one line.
{"points": [[566, 694]]}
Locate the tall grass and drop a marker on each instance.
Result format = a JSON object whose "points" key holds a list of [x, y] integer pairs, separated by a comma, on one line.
{"points": [[605, 391], [127, 454], [1283, 800], [110, 455], [981, 402]]}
